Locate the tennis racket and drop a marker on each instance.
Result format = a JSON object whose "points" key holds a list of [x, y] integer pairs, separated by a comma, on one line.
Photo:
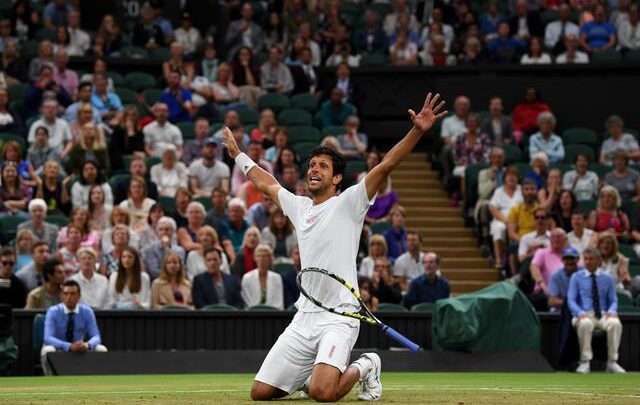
{"points": [[323, 287]]}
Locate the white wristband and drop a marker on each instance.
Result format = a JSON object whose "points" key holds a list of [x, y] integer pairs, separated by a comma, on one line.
{"points": [[245, 163]]}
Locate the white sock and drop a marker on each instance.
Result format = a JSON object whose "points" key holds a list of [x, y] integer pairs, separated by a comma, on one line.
{"points": [[364, 365]]}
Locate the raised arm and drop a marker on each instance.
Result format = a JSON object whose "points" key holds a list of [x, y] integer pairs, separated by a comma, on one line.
{"points": [[422, 122], [260, 178]]}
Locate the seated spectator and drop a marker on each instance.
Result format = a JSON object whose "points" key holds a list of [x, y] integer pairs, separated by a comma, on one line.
{"points": [[178, 99], [206, 238], [628, 37], [137, 204], [536, 239], [351, 93], [236, 127], [489, 21], [53, 190], [524, 116], [79, 40], [548, 195], [564, 207], [94, 284], [259, 213], [594, 305], [224, 91], [13, 291], [10, 120], [153, 255], [120, 237], [618, 140], [546, 140], [471, 53], [279, 235], [67, 325], [193, 148], [255, 152], [195, 220], [170, 174], [525, 22], [172, 287], [572, 54], [286, 157], [24, 241], [44, 58], [117, 216], [206, 173], [334, 111], [275, 76], [137, 168], [471, 147], [545, 263], [31, 275], [371, 39], [159, 134], [41, 230], [491, 178], [623, 178], [304, 74], [106, 101], [408, 265], [342, 53], [581, 182], [598, 35], [452, 127], [353, 143], [430, 286], [80, 219], [404, 52], [521, 218], [535, 55], [48, 294], [384, 287], [90, 146], [539, 172], [380, 210], [13, 65], [83, 93], [396, 234], [616, 264], [58, 129], [244, 31], [214, 286], [580, 237], [149, 234], [146, 33], [129, 286], [556, 32], [558, 288], [262, 286], [245, 75], [435, 53], [245, 258], [40, 152], [12, 152], [267, 126], [109, 30], [504, 48], [89, 176], [504, 198], [14, 196], [99, 68], [275, 32], [366, 293], [183, 198], [84, 117], [126, 139], [188, 36], [62, 76]]}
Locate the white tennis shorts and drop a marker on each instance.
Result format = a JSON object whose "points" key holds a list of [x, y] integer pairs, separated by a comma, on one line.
{"points": [[311, 338]]}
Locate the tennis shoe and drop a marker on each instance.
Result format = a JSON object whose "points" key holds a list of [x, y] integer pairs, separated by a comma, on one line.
{"points": [[370, 383], [583, 368], [613, 367]]}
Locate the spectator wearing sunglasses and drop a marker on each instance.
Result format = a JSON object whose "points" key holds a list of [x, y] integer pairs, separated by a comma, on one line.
{"points": [[12, 290]]}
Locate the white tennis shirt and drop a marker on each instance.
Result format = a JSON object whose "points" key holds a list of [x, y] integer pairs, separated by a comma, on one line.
{"points": [[328, 238]]}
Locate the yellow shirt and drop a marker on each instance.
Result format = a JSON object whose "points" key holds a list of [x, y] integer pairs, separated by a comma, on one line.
{"points": [[524, 218]]}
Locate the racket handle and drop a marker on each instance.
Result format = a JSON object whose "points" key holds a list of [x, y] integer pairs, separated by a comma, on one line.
{"points": [[393, 334]]}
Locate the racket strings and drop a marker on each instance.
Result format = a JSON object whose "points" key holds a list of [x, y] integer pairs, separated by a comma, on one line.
{"points": [[328, 291]]}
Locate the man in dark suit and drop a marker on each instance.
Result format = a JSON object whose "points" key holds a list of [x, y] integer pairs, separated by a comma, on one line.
{"points": [[497, 125], [213, 286], [371, 38], [350, 90], [525, 24], [244, 32], [12, 290], [138, 168], [305, 76]]}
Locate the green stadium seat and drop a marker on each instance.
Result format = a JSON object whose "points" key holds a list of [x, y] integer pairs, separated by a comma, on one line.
{"points": [[134, 52], [187, 129], [248, 116], [380, 227], [303, 133], [30, 49], [60, 220], [7, 136], [634, 270], [580, 136], [151, 96], [175, 308], [628, 309], [160, 54], [512, 154], [375, 59], [629, 253], [17, 91], [305, 101], [43, 34], [587, 206], [151, 161], [118, 79], [565, 167], [352, 170], [632, 56], [168, 203], [282, 268], [218, 307], [571, 151], [424, 307], [387, 307], [304, 149], [333, 131], [262, 307], [624, 299], [37, 337], [275, 101], [381, 8], [127, 96], [606, 57], [117, 178], [140, 80], [206, 201], [294, 116], [600, 169], [9, 227], [631, 208]]}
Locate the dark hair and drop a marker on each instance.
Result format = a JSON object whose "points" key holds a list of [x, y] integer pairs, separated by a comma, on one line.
{"points": [[412, 232], [7, 251], [41, 128], [84, 84], [584, 155], [134, 280], [155, 207], [337, 160], [279, 166], [49, 268], [38, 244], [584, 215], [212, 249], [574, 202], [99, 176], [72, 283]]}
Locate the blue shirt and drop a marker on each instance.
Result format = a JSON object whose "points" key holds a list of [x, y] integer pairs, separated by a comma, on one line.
{"points": [[85, 327], [176, 112], [421, 290], [236, 235], [552, 147], [71, 113], [598, 33], [111, 103], [396, 242], [559, 284], [579, 296]]}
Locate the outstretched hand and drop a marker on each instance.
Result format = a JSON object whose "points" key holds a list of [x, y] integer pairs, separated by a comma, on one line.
{"points": [[430, 113], [230, 143]]}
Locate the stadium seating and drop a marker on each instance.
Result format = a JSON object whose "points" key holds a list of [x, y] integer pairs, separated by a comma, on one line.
{"points": [[140, 81], [423, 307], [307, 102], [276, 102], [248, 116], [583, 136], [9, 227], [303, 133], [262, 307], [380, 227], [293, 116], [386, 307], [218, 307], [282, 268], [571, 151]]}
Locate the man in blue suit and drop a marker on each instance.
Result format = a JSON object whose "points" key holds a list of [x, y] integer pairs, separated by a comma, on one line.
{"points": [[70, 326], [213, 286]]}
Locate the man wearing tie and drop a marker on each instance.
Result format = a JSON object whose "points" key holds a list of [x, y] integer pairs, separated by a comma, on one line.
{"points": [[70, 327], [593, 303], [305, 77], [556, 31]]}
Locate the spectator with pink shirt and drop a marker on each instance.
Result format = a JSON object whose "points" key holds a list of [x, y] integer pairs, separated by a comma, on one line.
{"points": [[545, 263]]}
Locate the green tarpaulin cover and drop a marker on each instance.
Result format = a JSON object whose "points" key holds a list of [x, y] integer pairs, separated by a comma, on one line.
{"points": [[496, 318], [8, 353]]}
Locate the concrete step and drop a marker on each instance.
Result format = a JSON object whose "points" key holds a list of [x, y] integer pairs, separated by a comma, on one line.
{"points": [[416, 157], [415, 211], [432, 220], [465, 262], [459, 251], [439, 232], [412, 200], [407, 173], [470, 274], [460, 287], [435, 242], [414, 180], [421, 192]]}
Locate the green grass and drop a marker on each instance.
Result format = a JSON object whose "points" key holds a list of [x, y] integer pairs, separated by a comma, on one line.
{"points": [[399, 388]]}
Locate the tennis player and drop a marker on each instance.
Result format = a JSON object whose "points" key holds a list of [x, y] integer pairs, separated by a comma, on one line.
{"points": [[313, 352]]}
